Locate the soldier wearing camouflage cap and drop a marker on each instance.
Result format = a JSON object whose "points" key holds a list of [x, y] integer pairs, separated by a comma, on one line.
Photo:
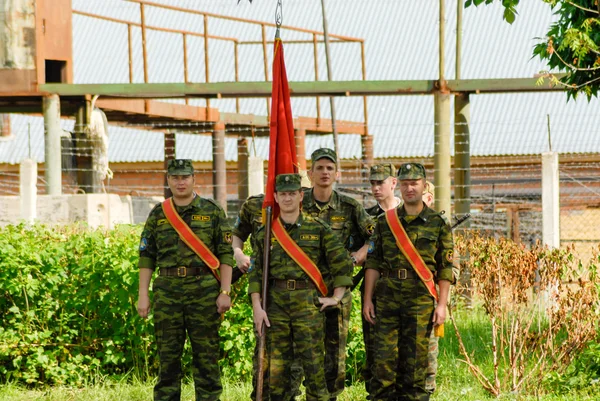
{"points": [[405, 311], [185, 289], [295, 317], [353, 227]]}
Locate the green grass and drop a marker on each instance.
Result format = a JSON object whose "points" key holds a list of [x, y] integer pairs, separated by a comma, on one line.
{"points": [[455, 382]]}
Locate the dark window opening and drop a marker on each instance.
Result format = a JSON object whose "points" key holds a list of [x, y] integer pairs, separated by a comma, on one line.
{"points": [[56, 71]]}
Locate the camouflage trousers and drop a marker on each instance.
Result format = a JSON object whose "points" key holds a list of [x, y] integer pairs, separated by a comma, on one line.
{"points": [[296, 376], [337, 321], [368, 337], [402, 332], [296, 332], [187, 305], [432, 363]]}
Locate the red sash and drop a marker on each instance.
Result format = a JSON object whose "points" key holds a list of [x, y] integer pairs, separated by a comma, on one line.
{"points": [[297, 254], [410, 252], [190, 238]]}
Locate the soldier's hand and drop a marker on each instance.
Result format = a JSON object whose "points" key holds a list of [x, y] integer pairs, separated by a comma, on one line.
{"points": [[223, 303], [359, 256], [242, 261], [260, 317], [327, 302], [143, 306], [439, 315], [369, 311]]}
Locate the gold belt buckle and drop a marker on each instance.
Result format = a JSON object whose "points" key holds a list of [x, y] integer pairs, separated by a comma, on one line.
{"points": [[402, 274], [181, 269], [290, 285]]}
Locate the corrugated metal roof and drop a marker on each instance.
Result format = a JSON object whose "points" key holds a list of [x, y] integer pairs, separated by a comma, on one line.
{"points": [[401, 43]]}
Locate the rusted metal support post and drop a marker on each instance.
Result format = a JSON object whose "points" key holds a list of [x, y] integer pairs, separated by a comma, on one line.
{"points": [[144, 43], [441, 158], [219, 165], [366, 142], [5, 125], [169, 155], [364, 77], [300, 139], [52, 148], [242, 177]]}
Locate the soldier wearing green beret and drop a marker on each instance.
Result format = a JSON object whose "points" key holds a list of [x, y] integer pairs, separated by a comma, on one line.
{"points": [[295, 316], [405, 313], [353, 227], [188, 299]]}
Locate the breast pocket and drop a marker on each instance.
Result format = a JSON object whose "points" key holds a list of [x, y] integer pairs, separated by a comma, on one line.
{"points": [[427, 243], [203, 230]]}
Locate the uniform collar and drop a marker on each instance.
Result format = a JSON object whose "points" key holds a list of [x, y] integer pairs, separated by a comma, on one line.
{"points": [[424, 215], [298, 223], [334, 201]]}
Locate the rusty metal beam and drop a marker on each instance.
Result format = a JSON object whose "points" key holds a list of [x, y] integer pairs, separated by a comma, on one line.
{"points": [[297, 89]]}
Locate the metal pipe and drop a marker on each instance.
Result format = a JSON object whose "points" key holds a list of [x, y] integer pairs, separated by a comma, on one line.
{"points": [[52, 148], [130, 50], [219, 165], [206, 60], [266, 65], [185, 64], [144, 50], [316, 60], [237, 73], [459, 24], [331, 99]]}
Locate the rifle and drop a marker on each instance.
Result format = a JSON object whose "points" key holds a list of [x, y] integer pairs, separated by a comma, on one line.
{"points": [[361, 274], [262, 340]]}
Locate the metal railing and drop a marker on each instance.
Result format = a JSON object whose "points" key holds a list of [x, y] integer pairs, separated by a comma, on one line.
{"points": [[316, 37]]}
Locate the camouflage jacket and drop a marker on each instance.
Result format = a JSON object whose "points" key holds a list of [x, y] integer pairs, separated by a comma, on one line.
{"points": [[161, 246], [319, 243], [431, 236], [347, 218], [249, 219]]}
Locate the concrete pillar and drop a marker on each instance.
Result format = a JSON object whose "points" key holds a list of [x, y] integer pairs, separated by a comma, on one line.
{"points": [[219, 165], [28, 190], [550, 200], [169, 142], [242, 177], [462, 156], [52, 151], [441, 156], [300, 139]]}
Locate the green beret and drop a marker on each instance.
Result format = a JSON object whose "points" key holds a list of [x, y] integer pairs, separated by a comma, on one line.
{"points": [[180, 167], [288, 182], [324, 152], [380, 172], [411, 171]]}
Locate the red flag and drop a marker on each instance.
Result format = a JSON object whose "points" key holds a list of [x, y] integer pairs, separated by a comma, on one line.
{"points": [[282, 147]]}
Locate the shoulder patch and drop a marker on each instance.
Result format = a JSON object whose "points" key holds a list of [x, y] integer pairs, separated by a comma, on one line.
{"points": [[143, 244], [370, 229], [449, 255], [371, 247], [228, 237], [237, 222]]}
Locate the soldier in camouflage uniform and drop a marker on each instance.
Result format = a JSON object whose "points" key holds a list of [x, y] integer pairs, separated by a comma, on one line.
{"points": [[187, 297], [295, 318], [353, 228], [383, 182], [405, 312]]}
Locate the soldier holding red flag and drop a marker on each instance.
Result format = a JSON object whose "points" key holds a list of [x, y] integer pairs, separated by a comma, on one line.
{"points": [[308, 273]]}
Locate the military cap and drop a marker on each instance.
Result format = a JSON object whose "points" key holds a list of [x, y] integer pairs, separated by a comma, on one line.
{"points": [[324, 152], [288, 182], [380, 172], [180, 167], [411, 171]]}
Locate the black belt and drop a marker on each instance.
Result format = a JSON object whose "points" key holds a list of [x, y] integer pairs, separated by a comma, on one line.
{"points": [[400, 274], [292, 285], [181, 271]]}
